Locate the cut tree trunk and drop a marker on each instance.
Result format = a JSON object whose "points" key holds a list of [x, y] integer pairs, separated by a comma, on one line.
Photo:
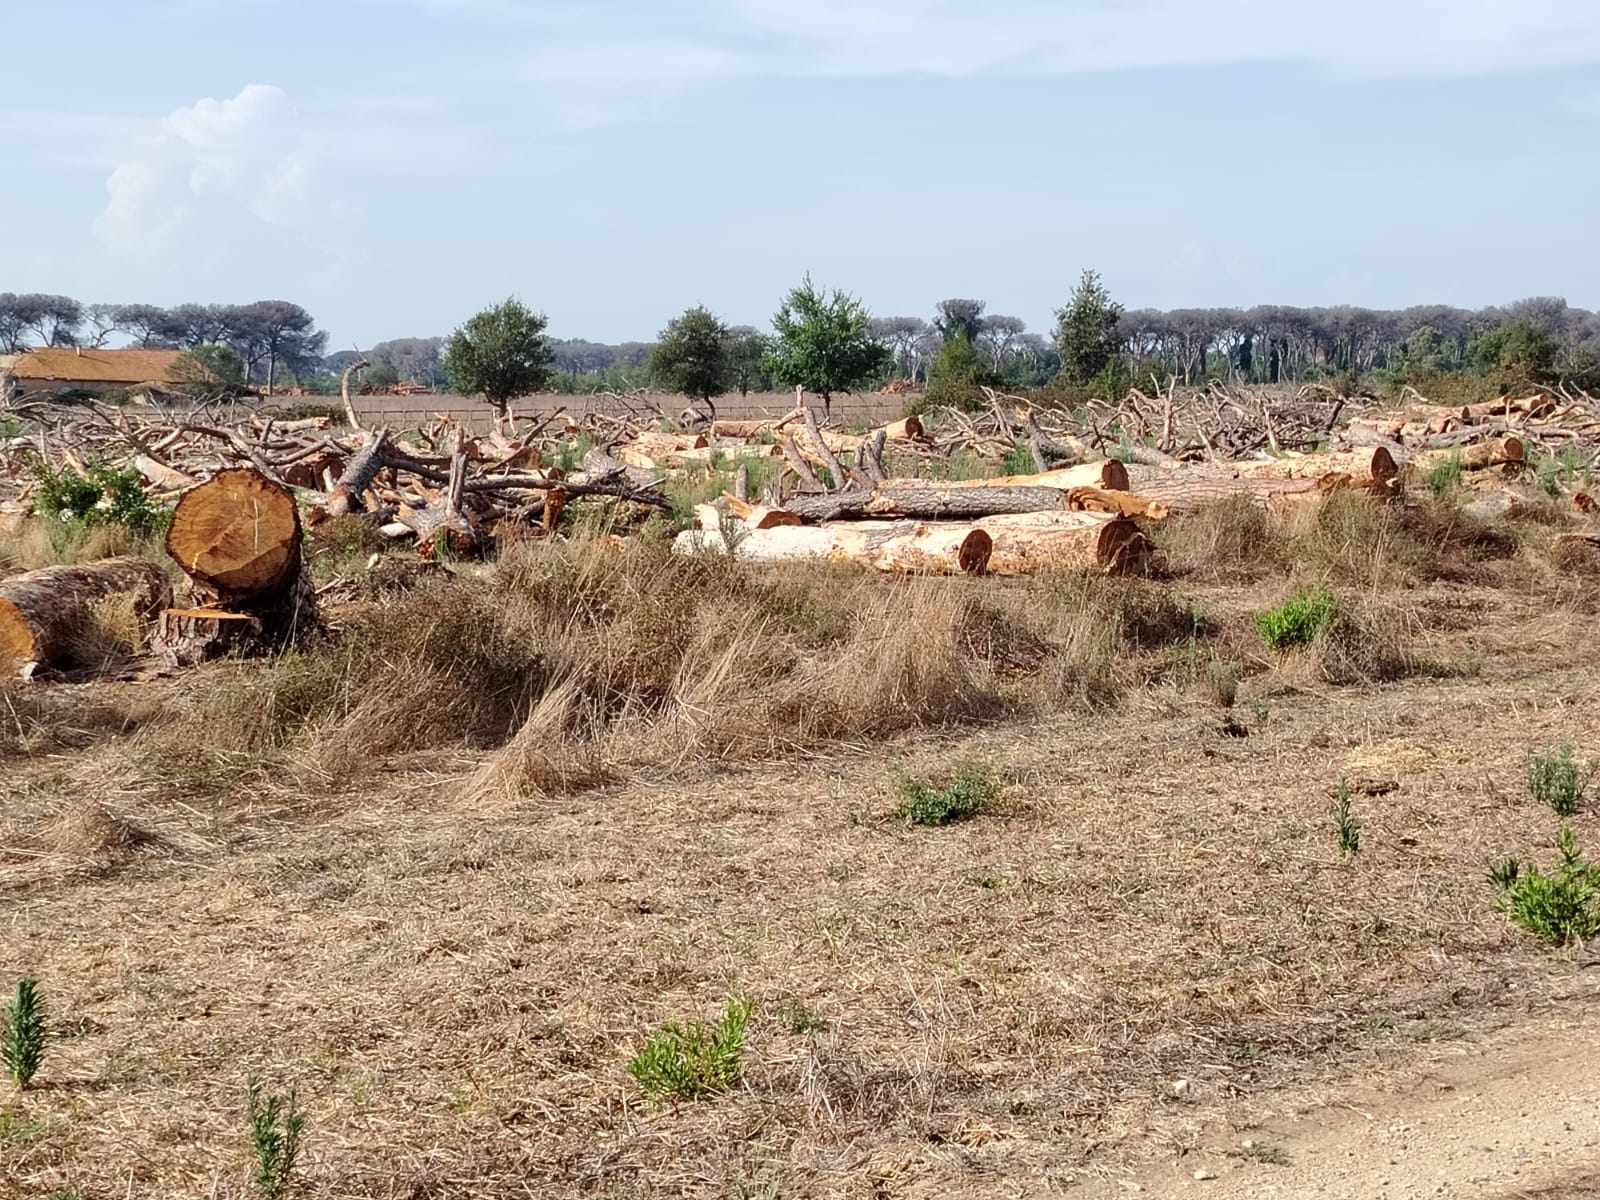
{"points": [[1107, 473], [1493, 453], [1181, 491], [237, 536], [928, 501], [1029, 543], [44, 613], [905, 547], [1375, 466]]}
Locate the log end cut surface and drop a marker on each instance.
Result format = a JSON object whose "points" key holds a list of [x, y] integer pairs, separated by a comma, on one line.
{"points": [[238, 532], [18, 645]]}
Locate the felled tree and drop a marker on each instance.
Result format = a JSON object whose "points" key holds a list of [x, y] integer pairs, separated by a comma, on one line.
{"points": [[499, 354], [824, 342], [691, 357]]}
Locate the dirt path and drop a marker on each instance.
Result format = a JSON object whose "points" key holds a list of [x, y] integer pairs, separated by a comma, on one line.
{"points": [[1515, 1115]]}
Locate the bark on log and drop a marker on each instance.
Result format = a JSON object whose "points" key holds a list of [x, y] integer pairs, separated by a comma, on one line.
{"points": [[1497, 452], [1107, 473], [1376, 466], [905, 547], [1028, 543], [1183, 491], [358, 475], [926, 502], [43, 613]]}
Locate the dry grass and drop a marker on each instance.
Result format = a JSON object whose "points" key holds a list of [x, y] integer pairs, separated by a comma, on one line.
{"points": [[445, 871], [40, 544]]}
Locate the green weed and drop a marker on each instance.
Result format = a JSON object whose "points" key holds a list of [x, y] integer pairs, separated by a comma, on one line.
{"points": [[1345, 824], [276, 1127], [1556, 778], [22, 1041], [1300, 619], [972, 790], [694, 1059], [1562, 907], [1444, 477], [797, 1017]]}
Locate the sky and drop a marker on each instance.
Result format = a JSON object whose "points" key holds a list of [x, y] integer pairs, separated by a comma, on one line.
{"points": [[395, 165]]}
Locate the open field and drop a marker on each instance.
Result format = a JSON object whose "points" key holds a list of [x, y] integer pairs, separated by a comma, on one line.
{"points": [[447, 866]]}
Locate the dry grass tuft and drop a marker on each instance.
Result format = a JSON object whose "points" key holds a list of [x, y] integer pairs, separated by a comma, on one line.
{"points": [[88, 831], [1229, 542]]}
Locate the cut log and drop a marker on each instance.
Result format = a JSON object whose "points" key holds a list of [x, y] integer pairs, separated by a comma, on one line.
{"points": [[1182, 491], [238, 533], [1507, 451], [1029, 543], [42, 613], [160, 474], [759, 516], [928, 501], [904, 547], [1375, 466], [237, 536], [1107, 473], [1086, 499]]}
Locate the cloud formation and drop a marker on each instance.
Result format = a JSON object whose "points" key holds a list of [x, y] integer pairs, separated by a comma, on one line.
{"points": [[245, 155]]}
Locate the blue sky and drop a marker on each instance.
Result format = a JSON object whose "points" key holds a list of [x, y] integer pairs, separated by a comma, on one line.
{"points": [[396, 164]]}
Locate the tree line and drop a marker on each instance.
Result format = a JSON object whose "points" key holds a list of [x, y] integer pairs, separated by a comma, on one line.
{"points": [[1094, 342]]}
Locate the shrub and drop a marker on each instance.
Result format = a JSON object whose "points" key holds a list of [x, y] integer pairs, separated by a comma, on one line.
{"points": [[972, 790], [1300, 619], [275, 1130], [100, 496], [694, 1059], [23, 1039], [1345, 824], [1562, 907], [1556, 778]]}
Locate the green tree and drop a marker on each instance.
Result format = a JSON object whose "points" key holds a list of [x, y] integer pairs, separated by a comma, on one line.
{"points": [[823, 342], [500, 353], [747, 358], [957, 374], [1516, 349], [210, 370], [1086, 330], [691, 357]]}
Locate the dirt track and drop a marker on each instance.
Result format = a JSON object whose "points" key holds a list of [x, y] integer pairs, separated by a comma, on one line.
{"points": [[1514, 1116]]}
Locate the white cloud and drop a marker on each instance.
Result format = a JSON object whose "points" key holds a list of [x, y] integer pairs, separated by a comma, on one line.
{"points": [[247, 154]]}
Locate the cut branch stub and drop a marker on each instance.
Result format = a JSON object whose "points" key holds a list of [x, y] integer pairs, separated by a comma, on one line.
{"points": [[238, 533]]}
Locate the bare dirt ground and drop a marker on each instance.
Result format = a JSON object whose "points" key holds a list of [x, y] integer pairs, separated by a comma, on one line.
{"points": [[1150, 952]]}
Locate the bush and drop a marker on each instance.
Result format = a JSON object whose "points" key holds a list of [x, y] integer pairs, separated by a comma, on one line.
{"points": [[100, 496], [694, 1059], [956, 376], [1556, 778], [972, 791], [1300, 619], [1562, 907]]}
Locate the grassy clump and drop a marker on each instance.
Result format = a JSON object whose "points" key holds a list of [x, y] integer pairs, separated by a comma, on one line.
{"points": [[22, 1041], [1300, 619], [1557, 779], [693, 1059], [1562, 907], [972, 790], [1444, 476], [276, 1126]]}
